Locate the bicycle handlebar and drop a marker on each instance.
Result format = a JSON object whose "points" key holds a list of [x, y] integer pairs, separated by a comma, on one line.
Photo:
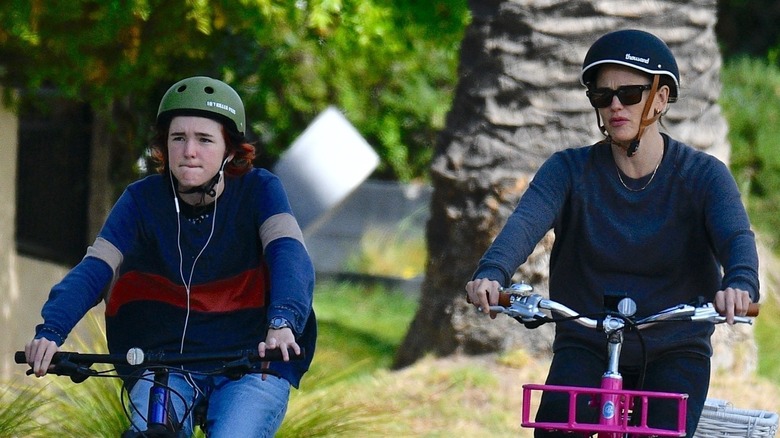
{"points": [[136, 356], [519, 303], [77, 365]]}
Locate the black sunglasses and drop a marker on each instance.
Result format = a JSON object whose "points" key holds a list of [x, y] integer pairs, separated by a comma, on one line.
{"points": [[627, 95]]}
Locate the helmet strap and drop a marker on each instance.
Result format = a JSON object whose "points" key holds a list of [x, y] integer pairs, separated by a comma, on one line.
{"points": [[644, 121], [205, 189], [209, 187]]}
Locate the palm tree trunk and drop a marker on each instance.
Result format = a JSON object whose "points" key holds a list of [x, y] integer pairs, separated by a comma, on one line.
{"points": [[519, 100]]}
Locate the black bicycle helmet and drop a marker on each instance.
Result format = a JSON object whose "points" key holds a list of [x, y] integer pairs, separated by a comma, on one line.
{"points": [[635, 49], [205, 97]]}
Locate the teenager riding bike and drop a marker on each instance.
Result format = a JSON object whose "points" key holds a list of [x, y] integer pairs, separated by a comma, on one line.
{"points": [[638, 214], [205, 256]]}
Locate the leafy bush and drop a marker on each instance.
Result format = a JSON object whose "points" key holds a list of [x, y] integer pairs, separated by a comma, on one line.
{"points": [[751, 103]]}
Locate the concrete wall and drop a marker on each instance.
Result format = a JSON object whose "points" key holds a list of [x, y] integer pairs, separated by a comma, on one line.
{"points": [[24, 282], [9, 284], [402, 208]]}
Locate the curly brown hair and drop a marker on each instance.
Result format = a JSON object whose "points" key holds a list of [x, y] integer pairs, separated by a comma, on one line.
{"points": [[235, 143]]}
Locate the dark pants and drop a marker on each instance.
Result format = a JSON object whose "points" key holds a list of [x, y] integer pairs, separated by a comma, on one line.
{"points": [[673, 372]]}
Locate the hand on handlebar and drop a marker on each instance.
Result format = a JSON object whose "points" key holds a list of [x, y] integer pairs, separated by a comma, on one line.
{"points": [[283, 339], [483, 293], [732, 302], [39, 353]]}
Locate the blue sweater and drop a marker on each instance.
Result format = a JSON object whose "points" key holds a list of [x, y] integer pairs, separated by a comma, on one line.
{"points": [[254, 267], [686, 235]]}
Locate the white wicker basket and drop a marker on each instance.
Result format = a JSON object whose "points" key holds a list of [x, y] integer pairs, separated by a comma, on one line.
{"points": [[720, 419]]}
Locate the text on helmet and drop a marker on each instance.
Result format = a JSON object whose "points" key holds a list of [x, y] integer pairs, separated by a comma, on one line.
{"points": [[221, 106]]}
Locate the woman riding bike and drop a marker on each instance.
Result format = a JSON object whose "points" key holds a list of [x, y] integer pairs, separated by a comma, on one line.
{"points": [[205, 256], [638, 214]]}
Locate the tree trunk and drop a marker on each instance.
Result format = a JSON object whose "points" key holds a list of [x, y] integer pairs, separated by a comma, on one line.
{"points": [[116, 128], [519, 100]]}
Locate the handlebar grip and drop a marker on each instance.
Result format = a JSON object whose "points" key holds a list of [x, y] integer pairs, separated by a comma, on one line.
{"points": [[504, 299], [20, 357], [753, 309]]}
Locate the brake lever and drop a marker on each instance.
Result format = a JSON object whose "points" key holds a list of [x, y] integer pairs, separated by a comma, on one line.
{"points": [[708, 313], [238, 368], [77, 373]]}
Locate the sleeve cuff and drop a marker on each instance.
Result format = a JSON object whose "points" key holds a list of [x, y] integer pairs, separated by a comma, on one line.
{"points": [[49, 333]]}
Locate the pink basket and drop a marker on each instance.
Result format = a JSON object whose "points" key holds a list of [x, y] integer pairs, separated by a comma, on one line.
{"points": [[627, 398]]}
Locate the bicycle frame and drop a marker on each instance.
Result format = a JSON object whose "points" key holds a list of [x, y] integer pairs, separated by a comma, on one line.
{"points": [[621, 412], [159, 419]]}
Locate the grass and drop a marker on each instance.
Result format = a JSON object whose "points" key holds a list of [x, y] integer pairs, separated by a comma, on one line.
{"points": [[18, 407], [767, 328], [368, 321], [396, 252]]}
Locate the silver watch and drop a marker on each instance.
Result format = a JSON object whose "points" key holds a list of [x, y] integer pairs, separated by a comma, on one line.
{"points": [[278, 323]]}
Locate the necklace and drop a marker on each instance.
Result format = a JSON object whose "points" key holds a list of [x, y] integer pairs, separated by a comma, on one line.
{"points": [[620, 177]]}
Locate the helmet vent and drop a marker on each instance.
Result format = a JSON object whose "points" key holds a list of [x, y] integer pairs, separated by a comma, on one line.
{"points": [[181, 89], [209, 90]]}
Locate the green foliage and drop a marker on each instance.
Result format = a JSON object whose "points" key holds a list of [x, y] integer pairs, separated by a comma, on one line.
{"points": [[360, 328], [390, 66], [751, 103], [767, 328], [399, 252], [369, 335], [18, 406]]}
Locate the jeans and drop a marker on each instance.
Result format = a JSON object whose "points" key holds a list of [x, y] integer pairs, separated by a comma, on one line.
{"points": [[678, 372], [248, 407]]}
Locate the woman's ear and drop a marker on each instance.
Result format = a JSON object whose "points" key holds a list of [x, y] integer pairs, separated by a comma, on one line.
{"points": [[662, 98]]}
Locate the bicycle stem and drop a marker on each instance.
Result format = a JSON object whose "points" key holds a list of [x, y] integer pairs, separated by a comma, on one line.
{"points": [[614, 347]]}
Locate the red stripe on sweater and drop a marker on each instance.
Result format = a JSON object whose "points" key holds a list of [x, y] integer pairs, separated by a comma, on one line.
{"points": [[243, 291]]}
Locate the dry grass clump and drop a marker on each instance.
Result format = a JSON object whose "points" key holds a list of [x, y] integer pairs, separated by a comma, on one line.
{"points": [[467, 396]]}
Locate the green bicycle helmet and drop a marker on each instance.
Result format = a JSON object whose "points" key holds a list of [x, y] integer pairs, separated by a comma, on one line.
{"points": [[204, 97]]}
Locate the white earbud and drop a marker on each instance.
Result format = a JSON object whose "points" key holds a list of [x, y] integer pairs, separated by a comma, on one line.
{"points": [[175, 196], [224, 163], [228, 158]]}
